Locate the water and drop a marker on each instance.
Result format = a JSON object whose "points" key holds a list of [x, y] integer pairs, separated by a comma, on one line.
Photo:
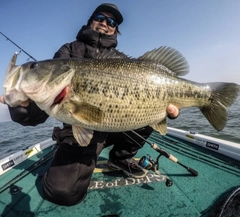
{"points": [[193, 119], [14, 137]]}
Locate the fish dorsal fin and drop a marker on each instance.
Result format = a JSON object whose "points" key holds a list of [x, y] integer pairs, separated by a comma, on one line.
{"points": [[168, 57]]}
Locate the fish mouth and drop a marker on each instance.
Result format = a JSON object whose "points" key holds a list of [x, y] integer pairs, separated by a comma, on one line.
{"points": [[61, 96]]}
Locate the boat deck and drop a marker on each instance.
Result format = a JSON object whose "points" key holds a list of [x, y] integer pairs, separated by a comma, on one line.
{"points": [[112, 194]]}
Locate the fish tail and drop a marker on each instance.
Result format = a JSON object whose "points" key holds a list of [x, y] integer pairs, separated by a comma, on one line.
{"points": [[223, 95]]}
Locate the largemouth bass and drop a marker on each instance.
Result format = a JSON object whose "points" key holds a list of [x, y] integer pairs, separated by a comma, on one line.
{"points": [[114, 95]]}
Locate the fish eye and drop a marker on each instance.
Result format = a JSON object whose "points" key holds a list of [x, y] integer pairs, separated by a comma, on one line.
{"points": [[33, 65]]}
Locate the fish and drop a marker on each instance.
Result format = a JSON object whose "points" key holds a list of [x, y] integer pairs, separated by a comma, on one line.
{"points": [[111, 94]]}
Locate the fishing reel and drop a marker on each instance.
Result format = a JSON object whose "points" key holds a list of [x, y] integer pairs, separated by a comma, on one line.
{"points": [[148, 163]]}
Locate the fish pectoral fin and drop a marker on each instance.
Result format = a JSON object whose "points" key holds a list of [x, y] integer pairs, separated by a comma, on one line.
{"points": [[82, 135], [87, 114], [161, 127]]}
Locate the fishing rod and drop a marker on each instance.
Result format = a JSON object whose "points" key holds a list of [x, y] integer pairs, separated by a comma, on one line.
{"points": [[146, 162], [8, 39], [228, 166], [28, 170]]}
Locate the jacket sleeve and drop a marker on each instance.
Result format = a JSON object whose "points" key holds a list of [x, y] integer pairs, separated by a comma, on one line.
{"points": [[31, 115], [75, 49], [63, 52]]}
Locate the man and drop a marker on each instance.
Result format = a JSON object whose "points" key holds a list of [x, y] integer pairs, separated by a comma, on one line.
{"points": [[69, 175]]}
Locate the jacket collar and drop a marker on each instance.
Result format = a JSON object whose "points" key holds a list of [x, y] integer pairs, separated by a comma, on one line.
{"points": [[96, 39]]}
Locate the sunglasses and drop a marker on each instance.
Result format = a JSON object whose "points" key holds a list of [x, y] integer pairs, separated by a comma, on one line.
{"points": [[100, 18]]}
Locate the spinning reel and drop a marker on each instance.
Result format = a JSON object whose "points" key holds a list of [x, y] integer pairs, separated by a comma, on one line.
{"points": [[148, 163]]}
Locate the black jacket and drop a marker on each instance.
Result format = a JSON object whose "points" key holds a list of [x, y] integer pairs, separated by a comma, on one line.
{"points": [[88, 44]]}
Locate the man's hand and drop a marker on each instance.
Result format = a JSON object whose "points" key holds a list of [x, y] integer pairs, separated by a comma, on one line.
{"points": [[2, 99], [172, 111]]}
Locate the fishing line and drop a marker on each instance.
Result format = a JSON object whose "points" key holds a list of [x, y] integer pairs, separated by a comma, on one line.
{"points": [[8, 39], [63, 51], [133, 140]]}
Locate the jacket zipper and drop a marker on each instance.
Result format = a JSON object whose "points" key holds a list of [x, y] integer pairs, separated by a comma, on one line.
{"points": [[99, 42]]}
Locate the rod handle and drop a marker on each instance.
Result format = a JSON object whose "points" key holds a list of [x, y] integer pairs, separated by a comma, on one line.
{"points": [[193, 172]]}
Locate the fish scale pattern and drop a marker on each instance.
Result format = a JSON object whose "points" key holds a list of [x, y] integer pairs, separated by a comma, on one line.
{"points": [[129, 96]]}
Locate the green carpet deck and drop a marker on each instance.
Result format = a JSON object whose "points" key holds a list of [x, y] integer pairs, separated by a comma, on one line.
{"points": [[113, 194]]}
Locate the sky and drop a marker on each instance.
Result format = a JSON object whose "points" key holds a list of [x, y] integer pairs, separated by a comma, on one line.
{"points": [[206, 32]]}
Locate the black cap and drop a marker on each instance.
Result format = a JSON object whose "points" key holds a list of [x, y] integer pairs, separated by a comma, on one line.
{"points": [[113, 9]]}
